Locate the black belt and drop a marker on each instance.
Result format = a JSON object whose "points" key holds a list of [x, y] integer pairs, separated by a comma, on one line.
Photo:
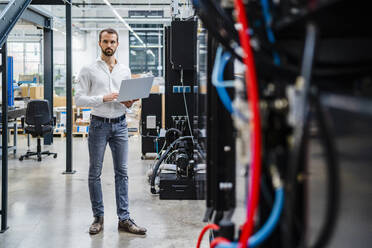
{"points": [[108, 120]]}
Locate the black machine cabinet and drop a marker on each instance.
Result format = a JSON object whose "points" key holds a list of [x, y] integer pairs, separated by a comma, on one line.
{"points": [[183, 45], [188, 188], [151, 124], [221, 149], [180, 76], [180, 109]]}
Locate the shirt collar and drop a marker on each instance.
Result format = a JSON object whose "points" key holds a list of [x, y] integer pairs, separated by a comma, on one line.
{"points": [[100, 59]]}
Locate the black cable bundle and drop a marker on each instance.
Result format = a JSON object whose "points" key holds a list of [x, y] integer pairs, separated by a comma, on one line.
{"points": [[333, 174], [161, 159], [219, 25], [298, 161]]}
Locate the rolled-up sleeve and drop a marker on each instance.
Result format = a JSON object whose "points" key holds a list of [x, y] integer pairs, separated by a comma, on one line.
{"points": [[83, 89]]}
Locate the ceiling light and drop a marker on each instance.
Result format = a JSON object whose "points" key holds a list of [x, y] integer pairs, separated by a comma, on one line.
{"points": [[54, 29], [150, 52], [124, 22]]}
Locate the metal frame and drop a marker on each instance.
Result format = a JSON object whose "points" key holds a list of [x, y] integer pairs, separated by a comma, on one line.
{"points": [[48, 73], [43, 20], [9, 16], [4, 143], [69, 169]]}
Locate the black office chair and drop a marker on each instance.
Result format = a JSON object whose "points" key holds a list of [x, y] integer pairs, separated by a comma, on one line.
{"points": [[39, 123]]}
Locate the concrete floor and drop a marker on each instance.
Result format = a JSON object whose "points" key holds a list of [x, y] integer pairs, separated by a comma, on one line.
{"points": [[48, 209]]}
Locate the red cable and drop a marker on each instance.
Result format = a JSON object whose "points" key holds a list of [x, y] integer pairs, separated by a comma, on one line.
{"points": [[218, 241], [253, 100], [203, 231]]}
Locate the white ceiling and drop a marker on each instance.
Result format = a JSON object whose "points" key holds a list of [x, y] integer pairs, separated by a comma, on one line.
{"points": [[89, 15]]}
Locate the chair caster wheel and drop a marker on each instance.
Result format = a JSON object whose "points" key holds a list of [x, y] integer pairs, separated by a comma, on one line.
{"points": [[21, 158], [142, 157], [38, 159], [55, 156]]}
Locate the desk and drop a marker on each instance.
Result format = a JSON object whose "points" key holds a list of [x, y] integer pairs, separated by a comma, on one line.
{"points": [[13, 114]]}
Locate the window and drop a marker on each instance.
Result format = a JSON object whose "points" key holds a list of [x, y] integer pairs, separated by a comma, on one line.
{"points": [[146, 13], [148, 56], [27, 58]]}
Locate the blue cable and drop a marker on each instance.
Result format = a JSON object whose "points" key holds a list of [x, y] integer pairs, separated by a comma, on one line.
{"points": [[259, 237], [218, 70], [269, 31], [157, 147], [217, 80], [195, 3], [267, 17]]}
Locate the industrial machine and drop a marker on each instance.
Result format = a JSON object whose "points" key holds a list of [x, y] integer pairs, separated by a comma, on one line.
{"points": [[151, 124], [179, 172], [279, 73]]}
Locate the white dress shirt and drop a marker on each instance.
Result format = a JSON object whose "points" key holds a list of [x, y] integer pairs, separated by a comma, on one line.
{"points": [[94, 82]]}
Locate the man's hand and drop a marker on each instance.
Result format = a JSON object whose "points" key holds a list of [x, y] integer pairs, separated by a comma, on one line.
{"points": [[129, 104], [110, 97]]}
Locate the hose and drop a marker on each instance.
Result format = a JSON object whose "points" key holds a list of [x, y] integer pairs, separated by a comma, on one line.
{"points": [[253, 101], [270, 34], [156, 167], [269, 226], [300, 133], [333, 174], [259, 237], [204, 230], [217, 81]]}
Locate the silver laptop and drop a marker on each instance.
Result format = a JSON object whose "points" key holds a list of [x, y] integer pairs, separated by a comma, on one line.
{"points": [[137, 88]]}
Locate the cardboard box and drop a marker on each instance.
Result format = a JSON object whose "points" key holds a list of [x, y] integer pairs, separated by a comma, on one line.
{"points": [[60, 101], [81, 122], [155, 89], [24, 91], [34, 92]]}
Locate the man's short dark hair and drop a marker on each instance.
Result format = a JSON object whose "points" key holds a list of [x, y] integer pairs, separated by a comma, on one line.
{"points": [[110, 31]]}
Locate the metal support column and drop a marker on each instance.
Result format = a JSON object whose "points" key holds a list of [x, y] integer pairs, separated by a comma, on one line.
{"points": [[221, 148], [68, 91], [4, 143], [9, 17], [48, 74]]}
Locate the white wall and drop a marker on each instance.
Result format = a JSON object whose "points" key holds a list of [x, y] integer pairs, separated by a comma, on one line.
{"points": [[85, 49], [123, 50]]}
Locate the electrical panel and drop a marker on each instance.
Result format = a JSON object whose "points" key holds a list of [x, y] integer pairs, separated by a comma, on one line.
{"points": [[183, 46]]}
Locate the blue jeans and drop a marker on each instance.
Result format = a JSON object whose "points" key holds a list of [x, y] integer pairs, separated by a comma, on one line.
{"points": [[116, 134]]}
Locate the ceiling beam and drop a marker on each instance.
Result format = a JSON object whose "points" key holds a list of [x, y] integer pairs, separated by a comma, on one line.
{"points": [[120, 4], [129, 20], [51, 2]]}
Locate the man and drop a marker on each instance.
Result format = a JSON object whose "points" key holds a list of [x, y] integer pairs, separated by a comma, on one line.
{"points": [[98, 87]]}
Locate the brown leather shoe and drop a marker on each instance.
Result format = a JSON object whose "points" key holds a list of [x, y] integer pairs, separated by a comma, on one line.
{"points": [[97, 225], [130, 226]]}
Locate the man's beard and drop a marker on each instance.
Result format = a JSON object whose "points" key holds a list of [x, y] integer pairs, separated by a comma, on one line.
{"points": [[108, 52]]}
